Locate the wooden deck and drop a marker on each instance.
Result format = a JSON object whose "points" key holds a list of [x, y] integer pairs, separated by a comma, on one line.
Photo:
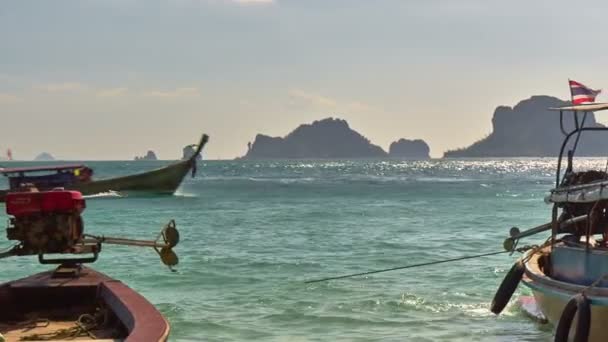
{"points": [[18, 330]]}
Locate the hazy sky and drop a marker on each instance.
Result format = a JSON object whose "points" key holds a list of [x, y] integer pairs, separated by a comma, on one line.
{"points": [[110, 79]]}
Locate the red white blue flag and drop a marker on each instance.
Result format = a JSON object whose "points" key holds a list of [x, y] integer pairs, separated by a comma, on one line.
{"points": [[581, 93]]}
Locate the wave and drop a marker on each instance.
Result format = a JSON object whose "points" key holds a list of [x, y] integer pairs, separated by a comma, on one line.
{"points": [[445, 179], [107, 194], [181, 193], [470, 309], [340, 179]]}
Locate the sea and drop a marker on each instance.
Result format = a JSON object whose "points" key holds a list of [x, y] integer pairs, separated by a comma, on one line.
{"points": [[252, 233]]}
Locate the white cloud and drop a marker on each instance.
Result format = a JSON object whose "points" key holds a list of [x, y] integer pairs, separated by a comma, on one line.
{"points": [[238, 2], [313, 99], [112, 92], [174, 94], [324, 102], [6, 98], [253, 1], [61, 87], [360, 107]]}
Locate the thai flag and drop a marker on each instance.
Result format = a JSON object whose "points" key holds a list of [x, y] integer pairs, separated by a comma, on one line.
{"points": [[581, 93]]}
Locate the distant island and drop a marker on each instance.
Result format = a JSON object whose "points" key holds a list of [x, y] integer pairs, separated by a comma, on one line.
{"points": [[327, 138], [529, 129], [188, 151], [409, 149], [44, 156], [149, 156]]}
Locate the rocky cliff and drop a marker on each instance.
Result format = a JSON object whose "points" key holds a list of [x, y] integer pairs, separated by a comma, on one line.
{"points": [[529, 129], [327, 138], [188, 151], [44, 156], [409, 149], [149, 156]]}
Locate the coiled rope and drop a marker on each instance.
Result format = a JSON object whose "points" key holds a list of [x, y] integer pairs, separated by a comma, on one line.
{"points": [[84, 326]]}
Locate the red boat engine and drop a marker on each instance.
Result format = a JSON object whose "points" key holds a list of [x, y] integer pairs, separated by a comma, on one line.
{"points": [[46, 221]]}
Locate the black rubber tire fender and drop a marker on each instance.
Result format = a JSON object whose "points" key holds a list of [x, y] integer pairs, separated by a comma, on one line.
{"points": [[507, 287], [580, 304]]}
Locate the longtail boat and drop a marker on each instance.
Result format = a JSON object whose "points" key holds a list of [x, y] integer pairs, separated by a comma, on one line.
{"points": [[568, 273], [73, 302], [78, 177]]}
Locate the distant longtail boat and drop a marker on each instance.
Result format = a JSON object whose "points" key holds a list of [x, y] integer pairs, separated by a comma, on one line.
{"points": [[79, 177]]}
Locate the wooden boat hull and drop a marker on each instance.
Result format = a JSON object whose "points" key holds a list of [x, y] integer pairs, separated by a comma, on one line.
{"points": [[136, 320], [552, 296], [163, 181]]}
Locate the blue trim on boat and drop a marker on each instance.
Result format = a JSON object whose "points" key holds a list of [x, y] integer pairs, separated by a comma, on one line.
{"points": [[573, 263]]}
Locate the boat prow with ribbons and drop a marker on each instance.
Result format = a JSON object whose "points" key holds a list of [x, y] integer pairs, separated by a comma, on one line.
{"points": [[568, 274]]}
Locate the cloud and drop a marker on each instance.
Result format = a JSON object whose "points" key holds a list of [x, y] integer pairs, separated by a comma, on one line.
{"points": [[237, 2], [174, 94], [360, 107], [61, 87], [112, 92], [245, 2], [323, 102], [313, 99], [6, 98]]}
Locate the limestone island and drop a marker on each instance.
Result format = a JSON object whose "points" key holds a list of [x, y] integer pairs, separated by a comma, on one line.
{"points": [[149, 156], [188, 151], [323, 139], [44, 156], [409, 149], [529, 129]]}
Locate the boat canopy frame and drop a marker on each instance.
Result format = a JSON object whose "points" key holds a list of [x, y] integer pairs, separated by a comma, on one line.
{"points": [[23, 170], [579, 128]]}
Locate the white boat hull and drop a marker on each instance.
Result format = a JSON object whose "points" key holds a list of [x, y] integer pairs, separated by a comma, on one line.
{"points": [[552, 296], [552, 307]]}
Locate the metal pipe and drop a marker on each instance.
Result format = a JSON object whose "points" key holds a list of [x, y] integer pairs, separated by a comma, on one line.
{"points": [[516, 234], [561, 151], [125, 242], [561, 122], [578, 136]]}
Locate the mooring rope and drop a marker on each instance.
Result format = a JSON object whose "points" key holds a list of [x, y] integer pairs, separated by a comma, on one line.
{"points": [[405, 267], [521, 250]]}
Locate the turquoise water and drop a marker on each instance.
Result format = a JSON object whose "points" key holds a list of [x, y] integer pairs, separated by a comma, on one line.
{"points": [[252, 232]]}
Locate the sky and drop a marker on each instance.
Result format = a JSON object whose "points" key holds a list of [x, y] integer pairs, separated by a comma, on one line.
{"points": [[111, 79]]}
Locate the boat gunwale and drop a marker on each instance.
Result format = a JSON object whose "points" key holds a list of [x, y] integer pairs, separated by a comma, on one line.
{"points": [[581, 193], [138, 321], [597, 183], [8, 172]]}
